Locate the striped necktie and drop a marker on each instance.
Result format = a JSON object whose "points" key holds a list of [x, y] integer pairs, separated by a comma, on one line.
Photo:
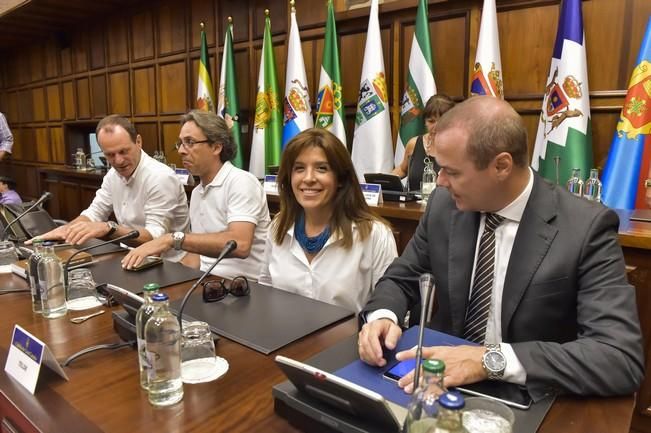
{"points": [[482, 288]]}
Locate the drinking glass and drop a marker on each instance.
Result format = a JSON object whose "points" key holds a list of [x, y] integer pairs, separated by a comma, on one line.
{"points": [[198, 360], [482, 415], [7, 253], [81, 293]]}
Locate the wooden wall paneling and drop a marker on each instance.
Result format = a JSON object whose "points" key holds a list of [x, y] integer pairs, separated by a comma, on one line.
{"points": [[449, 38], [98, 95], [18, 153], [239, 10], [38, 103], [170, 133], [57, 145], [12, 114], [202, 11], [37, 66], [171, 28], [13, 70], [149, 133], [603, 129], [97, 46], [144, 91], [69, 106], [51, 59], [70, 198], [42, 145], [83, 98], [80, 51], [351, 46], [25, 105], [636, 16], [173, 88], [119, 101], [310, 13], [28, 144], [86, 197], [66, 60], [24, 65], [54, 207], [244, 91], [308, 47], [142, 36], [26, 181], [117, 35], [277, 14], [53, 102]]}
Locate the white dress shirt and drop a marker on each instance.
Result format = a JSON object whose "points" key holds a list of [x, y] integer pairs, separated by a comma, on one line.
{"points": [[336, 275], [504, 237], [152, 197], [234, 195]]}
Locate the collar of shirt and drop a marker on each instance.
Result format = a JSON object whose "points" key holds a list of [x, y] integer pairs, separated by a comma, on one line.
{"points": [[142, 162], [514, 210], [219, 179], [334, 237]]}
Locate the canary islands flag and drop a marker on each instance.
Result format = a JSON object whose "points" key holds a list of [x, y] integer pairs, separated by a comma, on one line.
{"points": [[630, 152]]}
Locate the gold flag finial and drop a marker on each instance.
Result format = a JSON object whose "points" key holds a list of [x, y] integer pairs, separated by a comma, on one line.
{"points": [[292, 3], [202, 25], [230, 20], [266, 12]]}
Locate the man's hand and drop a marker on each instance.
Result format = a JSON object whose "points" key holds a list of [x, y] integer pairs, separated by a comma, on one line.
{"points": [[462, 364], [57, 234], [155, 247], [374, 335], [79, 232]]}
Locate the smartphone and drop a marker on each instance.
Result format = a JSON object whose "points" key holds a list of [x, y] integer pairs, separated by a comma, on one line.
{"points": [[148, 262], [504, 392]]}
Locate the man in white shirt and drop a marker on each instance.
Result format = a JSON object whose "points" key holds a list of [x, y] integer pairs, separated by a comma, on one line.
{"points": [[533, 274], [228, 204], [142, 193]]}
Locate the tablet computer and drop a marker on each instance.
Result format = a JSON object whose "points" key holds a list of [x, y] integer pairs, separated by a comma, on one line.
{"points": [[343, 394]]}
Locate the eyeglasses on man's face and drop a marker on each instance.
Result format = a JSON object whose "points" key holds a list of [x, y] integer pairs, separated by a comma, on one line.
{"points": [[188, 143], [216, 290]]}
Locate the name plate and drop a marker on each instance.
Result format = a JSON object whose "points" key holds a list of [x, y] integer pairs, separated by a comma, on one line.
{"points": [[372, 193], [26, 355], [184, 176], [270, 185]]}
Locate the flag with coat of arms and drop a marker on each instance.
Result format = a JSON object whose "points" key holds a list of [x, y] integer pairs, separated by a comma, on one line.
{"points": [[205, 92], [296, 108], [628, 161], [372, 148], [487, 74], [268, 126], [564, 138], [420, 84], [329, 107]]}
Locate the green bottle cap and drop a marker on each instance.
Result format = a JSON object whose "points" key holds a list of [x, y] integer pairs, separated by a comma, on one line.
{"points": [[37, 241], [151, 287], [435, 366]]}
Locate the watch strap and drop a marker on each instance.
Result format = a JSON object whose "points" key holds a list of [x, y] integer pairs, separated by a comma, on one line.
{"points": [[492, 374], [113, 226]]}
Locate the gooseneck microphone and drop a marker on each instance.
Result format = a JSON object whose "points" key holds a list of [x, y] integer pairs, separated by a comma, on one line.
{"points": [[131, 235], [229, 247], [46, 196], [426, 282]]}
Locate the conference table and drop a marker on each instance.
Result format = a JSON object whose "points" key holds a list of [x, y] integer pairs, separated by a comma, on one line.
{"points": [[104, 395]]}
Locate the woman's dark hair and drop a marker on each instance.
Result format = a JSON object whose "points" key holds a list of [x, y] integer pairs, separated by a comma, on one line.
{"points": [[436, 106]]}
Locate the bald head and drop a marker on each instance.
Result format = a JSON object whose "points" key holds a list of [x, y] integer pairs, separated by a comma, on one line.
{"points": [[492, 126]]}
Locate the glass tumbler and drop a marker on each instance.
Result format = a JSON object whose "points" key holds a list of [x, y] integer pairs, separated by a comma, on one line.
{"points": [[197, 352], [7, 253], [482, 415], [81, 291]]}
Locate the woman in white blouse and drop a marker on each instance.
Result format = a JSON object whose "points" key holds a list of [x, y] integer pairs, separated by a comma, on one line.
{"points": [[324, 243]]}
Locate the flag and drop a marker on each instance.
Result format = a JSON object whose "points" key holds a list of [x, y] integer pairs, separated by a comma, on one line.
{"points": [[487, 74], [630, 152], [228, 103], [564, 135], [205, 93], [420, 84], [372, 148], [267, 131], [297, 111], [329, 106]]}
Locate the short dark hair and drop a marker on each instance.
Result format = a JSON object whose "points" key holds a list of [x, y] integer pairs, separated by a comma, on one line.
{"points": [[493, 127], [437, 105], [9, 181], [216, 131], [112, 120]]}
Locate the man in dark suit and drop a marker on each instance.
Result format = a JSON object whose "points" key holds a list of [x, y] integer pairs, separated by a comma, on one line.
{"points": [[533, 274]]}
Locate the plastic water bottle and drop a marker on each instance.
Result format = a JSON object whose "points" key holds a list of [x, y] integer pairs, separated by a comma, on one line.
{"points": [[163, 343], [575, 183], [144, 313], [423, 409], [50, 277], [592, 187], [428, 182], [32, 276]]}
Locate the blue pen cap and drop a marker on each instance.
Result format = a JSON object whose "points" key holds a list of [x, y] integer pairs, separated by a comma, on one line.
{"points": [[160, 297], [452, 400]]}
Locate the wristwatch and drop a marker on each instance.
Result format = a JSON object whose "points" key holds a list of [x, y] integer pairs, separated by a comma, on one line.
{"points": [[113, 226], [647, 183], [178, 238], [493, 362]]}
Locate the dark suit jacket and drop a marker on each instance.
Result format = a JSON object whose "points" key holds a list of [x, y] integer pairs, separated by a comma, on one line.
{"points": [[567, 308]]}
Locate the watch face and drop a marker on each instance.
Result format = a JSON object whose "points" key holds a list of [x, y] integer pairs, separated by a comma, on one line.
{"points": [[495, 361]]}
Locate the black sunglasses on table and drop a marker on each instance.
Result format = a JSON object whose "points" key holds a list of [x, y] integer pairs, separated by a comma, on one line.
{"points": [[216, 290]]}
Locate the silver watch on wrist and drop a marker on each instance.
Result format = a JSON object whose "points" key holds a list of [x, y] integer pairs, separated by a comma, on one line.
{"points": [[178, 238], [494, 362], [113, 226]]}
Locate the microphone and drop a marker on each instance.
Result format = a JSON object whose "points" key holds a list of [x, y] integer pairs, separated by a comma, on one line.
{"points": [[46, 196], [426, 282], [229, 247], [131, 235]]}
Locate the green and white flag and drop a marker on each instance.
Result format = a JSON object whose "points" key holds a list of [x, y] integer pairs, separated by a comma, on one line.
{"points": [[268, 128], [205, 93], [228, 103], [372, 147], [564, 138], [329, 105], [420, 84]]}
